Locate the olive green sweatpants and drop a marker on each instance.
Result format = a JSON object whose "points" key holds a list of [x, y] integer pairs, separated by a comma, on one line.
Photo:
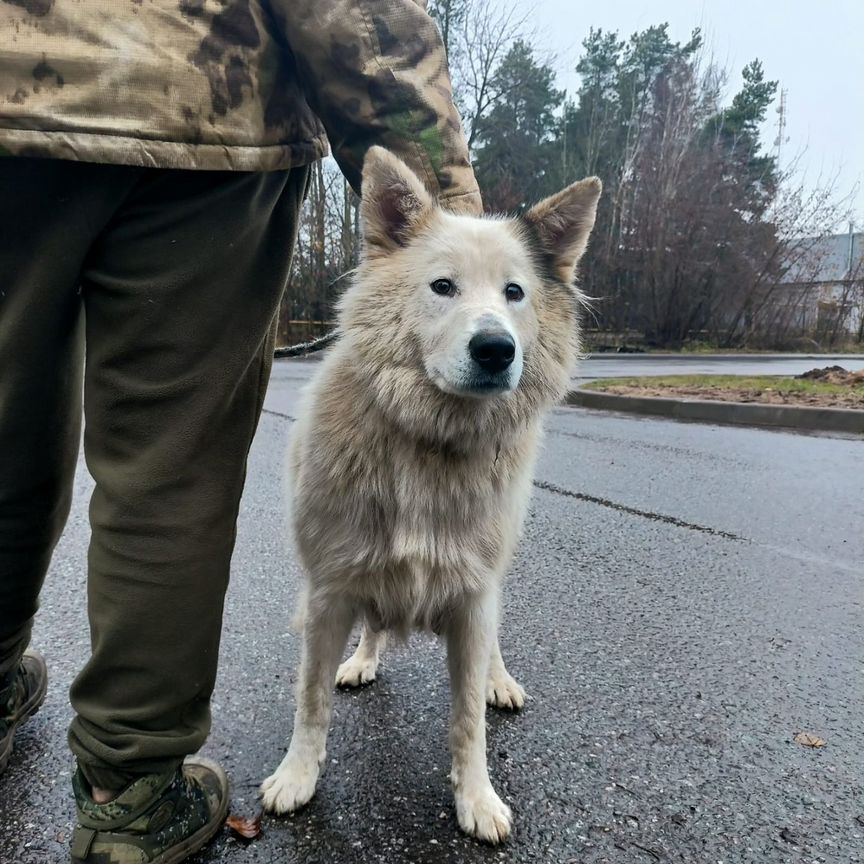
{"points": [[154, 291]]}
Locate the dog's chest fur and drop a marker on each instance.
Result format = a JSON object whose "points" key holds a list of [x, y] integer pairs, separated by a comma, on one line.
{"points": [[402, 525]]}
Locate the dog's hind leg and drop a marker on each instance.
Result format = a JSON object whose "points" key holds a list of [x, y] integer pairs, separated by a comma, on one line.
{"points": [[326, 630], [502, 689], [470, 632], [362, 666]]}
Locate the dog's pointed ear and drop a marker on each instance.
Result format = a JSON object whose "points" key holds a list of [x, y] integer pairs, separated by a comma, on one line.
{"points": [[394, 203], [563, 223]]}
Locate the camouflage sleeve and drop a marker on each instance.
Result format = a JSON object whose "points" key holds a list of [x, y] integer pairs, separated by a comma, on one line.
{"points": [[375, 72]]}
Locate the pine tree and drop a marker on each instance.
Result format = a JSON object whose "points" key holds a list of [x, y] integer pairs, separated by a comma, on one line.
{"points": [[516, 140], [736, 132]]}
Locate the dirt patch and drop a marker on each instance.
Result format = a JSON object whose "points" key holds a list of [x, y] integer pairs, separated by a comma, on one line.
{"points": [[831, 387], [834, 375]]}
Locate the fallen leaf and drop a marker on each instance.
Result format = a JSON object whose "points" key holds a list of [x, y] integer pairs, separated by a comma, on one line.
{"points": [[809, 740], [244, 826]]}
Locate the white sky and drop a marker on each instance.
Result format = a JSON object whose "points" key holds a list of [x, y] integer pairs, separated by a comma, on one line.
{"points": [[814, 49]]}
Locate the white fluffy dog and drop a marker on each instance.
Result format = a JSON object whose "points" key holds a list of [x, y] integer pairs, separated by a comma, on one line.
{"points": [[411, 464]]}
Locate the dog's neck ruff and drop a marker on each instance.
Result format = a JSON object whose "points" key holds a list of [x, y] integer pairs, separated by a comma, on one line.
{"points": [[444, 423]]}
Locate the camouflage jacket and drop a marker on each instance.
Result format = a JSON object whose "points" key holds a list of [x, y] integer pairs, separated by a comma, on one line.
{"points": [[246, 85]]}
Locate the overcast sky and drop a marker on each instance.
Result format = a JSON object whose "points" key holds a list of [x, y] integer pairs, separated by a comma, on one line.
{"points": [[815, 50]]}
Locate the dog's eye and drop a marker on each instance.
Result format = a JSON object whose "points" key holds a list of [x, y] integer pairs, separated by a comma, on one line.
{"points": [[444, 287], [514, 292]]}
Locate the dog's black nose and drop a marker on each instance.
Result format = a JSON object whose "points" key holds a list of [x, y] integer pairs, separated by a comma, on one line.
{"points": [[492, 350]]}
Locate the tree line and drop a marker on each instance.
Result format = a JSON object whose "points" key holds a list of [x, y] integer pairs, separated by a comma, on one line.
{"points": [[702, 234]]}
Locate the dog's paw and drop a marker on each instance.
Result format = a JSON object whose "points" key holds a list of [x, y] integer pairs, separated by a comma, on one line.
{"points": [[355, 672], [504, 691], [483, 815], [289, 787]]}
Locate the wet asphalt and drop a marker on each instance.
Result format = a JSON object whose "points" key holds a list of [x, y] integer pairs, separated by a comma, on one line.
{"points": [[686, 599]]}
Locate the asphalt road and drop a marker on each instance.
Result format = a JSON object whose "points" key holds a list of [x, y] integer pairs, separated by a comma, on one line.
{"points": [[686, 599]]}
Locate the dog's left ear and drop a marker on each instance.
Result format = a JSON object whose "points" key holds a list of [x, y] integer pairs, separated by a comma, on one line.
{"points": [[394, 203], [563, 223]]}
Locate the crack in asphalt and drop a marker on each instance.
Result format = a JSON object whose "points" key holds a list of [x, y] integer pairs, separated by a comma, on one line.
{"points": [[633, 511], [650, 446]]}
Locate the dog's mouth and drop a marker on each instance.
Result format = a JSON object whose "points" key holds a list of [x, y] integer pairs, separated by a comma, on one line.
{"points": [[475, 386]]}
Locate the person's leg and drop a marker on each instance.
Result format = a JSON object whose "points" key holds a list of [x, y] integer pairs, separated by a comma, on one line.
{"points": [[49, 213], [181, 292]]}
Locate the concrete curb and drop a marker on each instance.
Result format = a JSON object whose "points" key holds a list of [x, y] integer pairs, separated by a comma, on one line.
{"points": [[847, 420]]}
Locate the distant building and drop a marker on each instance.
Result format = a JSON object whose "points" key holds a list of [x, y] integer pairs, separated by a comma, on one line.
{"points": [[822, 289]]}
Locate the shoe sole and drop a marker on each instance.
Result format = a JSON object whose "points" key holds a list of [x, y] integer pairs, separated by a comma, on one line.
{"points": [[27, 710], [203, 835]]}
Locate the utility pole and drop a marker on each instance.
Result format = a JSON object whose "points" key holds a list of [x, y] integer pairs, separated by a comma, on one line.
{"points": [[780, 140], [565, 176]]}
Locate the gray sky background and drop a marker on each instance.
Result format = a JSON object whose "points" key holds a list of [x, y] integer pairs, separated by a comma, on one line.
{"points": [[814, 49]]}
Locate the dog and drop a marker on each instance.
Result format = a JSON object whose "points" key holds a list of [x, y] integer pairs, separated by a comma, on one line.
{"points": [[410, 468]]}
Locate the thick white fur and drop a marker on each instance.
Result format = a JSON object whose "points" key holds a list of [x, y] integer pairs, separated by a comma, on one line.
{"points": [[409, 490]]}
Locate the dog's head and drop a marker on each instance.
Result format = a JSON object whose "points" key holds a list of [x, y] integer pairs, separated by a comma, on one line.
{"points": [[478, 308]]}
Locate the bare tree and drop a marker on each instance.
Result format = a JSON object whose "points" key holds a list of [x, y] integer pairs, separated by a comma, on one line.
{"points": [[325, 250], [489, 31]]}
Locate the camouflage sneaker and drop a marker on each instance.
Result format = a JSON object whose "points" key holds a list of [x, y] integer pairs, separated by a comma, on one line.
{"points": [[158, 819], [20, 700]]}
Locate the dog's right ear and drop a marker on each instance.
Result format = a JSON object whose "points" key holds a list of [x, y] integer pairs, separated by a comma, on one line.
{"points": [[394, 203]]}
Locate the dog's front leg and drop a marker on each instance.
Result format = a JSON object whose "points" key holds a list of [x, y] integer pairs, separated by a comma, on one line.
{"points": [[470, 632], [326, 629]]}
